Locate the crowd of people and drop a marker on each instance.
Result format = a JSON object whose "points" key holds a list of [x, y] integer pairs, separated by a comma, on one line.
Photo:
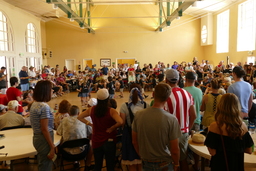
{"points": [[185, 97]]}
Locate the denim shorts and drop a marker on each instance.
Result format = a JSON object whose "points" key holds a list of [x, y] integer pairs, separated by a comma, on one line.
{"points": [[24, 87], [157, 166]]}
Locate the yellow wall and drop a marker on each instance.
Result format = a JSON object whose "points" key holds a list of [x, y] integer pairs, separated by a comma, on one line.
{"points": [[210, 51], [114, 36]]}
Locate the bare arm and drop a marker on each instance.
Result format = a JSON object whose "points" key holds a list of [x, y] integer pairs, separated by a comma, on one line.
{"points": [[192, 116], [175, 152], [123, 117], [202, 108], [250, 103], [44, 129], [119, 121], [83, 115], [135, 142]]}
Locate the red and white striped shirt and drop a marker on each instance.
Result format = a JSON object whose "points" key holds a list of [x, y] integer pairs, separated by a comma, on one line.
{"points": [[178, 104]]}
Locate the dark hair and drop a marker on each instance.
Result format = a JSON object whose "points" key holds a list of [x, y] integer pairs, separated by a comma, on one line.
{"points": [[101, 108], [74, 110], [64, 106], [135, 93], [215, 83], [160, 77], [110, 78], [43, 91], [13, 81], [162, 92], [112, 103], [3, 67], [25, 95], [239, 72]]}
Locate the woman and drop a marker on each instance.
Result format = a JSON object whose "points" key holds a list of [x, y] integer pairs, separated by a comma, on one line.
{"points": [[41, 120], [242, 90], [210, 102], [105, 122], [229, 132], [63, 112], [127, 110]]}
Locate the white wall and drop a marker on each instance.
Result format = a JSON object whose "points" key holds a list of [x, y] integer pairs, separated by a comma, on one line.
{"points": [[18, 20]]}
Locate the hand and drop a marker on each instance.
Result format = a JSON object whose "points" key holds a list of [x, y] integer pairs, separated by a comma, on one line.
{"points": [[109, 130], [51, 154]]}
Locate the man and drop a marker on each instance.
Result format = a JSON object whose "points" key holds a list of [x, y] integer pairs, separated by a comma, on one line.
{"points": [[31, 73], [155, 134], [2, 78], [24, 84], [104, 70], [71, 128], [181, 104], [93, 69], [197, 96], [11, 118]]}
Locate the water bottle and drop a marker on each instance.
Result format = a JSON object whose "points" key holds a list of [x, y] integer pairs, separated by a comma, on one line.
{"points": [[55, 108], [251, 127]]}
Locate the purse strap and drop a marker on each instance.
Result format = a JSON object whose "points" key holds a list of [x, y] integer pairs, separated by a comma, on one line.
{"points": [[224, 149]]}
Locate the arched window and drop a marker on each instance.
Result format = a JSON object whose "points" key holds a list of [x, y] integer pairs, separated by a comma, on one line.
{"points": [[31, 39], [6, 42]]}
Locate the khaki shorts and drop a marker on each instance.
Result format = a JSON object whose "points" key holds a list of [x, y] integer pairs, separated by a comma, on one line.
{"points": [[183, 144]]}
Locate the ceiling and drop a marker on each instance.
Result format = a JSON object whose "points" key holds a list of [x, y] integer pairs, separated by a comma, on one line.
{"points": [[46, 11]]}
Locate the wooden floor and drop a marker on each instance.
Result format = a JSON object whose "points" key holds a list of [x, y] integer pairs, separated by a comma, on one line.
{"points": [[20, 165]]}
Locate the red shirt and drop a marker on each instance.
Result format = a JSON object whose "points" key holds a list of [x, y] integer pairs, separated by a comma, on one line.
{"points": [[12, 93], [131, 69], [100, 125]]}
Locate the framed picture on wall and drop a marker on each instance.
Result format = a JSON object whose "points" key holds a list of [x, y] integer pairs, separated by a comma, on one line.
{"points": [[105, 61]]}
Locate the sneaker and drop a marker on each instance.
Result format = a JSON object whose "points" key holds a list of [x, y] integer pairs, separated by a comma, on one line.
{"points": [[145, 96]]}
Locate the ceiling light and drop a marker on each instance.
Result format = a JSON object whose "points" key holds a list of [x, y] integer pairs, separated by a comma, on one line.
{"points": [[178, 17], [72, 19], [82, 27], [55, 6]]}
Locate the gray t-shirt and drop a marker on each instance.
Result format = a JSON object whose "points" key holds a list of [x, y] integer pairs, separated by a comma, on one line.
{"points": [[155, 129]]}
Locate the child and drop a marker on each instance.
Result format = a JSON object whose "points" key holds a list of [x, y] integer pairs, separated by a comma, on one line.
{"points": [[84, 91], [101, 84], [111, 87], [142, 84], [121, 88]]}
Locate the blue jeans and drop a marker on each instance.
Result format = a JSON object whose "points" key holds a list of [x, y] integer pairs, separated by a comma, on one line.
{"points": [[157, 166], [43, 149], [109, 150]]}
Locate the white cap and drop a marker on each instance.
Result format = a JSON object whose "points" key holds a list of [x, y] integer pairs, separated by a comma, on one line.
{"points": [[12, 104], [102, 94], [92, 102], [2, 107]]}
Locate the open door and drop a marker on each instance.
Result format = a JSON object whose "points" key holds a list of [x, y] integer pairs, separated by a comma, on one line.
{"points": [[87, 62]]}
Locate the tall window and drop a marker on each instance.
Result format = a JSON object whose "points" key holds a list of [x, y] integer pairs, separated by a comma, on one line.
{"points": [[246, 26], [6, 42], [31, 39], [223, 32]]}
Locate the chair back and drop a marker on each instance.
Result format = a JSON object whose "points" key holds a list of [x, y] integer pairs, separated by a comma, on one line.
{"points": [[75, 143]]}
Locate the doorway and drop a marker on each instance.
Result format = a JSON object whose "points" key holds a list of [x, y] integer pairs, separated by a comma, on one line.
{"points": [[128, 61], [87, 62], [70, 64]]}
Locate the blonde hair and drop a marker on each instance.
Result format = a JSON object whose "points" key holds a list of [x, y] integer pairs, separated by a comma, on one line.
{"points": [[229, 114]]}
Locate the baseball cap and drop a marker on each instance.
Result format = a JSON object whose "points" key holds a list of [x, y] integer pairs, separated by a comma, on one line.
{"points": [[92, 102], [191, 76], [12, 104], [2, 107], [102, 94], [172, 75]]}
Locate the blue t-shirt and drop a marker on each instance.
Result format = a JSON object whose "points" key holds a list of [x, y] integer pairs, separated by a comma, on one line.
{"points": [[105, 71], [23, 74], [38, 111], [243, 91]]}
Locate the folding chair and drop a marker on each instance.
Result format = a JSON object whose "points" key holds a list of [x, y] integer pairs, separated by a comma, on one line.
{"points": [[64, 155]]}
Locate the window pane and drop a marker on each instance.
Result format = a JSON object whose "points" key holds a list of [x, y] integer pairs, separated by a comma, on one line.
{"points": [[223, 32]]}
